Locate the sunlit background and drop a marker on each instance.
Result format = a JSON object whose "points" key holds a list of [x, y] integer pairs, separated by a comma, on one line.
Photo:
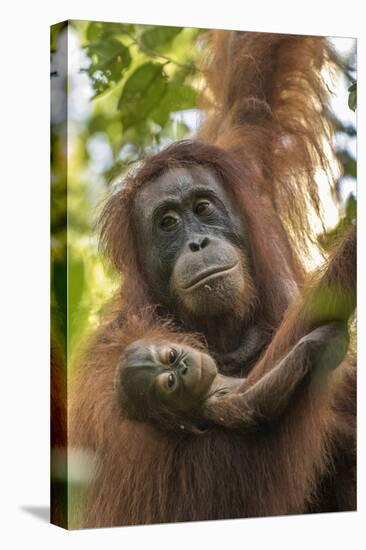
{"points": [[119, 92], [106, 65]]}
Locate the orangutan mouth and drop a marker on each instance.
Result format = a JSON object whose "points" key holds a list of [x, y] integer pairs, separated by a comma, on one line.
{"points": [[208, 275]]}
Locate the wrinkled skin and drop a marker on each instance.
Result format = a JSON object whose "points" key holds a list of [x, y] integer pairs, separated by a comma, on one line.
{"points": [[163, 376], [165, 383], [192, 244]]}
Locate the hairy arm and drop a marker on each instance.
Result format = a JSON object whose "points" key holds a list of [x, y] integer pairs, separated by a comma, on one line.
{"points": [[317, 353], [313, 339], [329, 297]]}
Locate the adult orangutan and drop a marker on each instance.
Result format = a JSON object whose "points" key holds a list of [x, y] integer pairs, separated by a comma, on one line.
{"points": [[204, 235]]}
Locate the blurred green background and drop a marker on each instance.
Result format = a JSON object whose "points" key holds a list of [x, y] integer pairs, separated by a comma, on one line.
{"points": [[120, 92], [132, 89]]}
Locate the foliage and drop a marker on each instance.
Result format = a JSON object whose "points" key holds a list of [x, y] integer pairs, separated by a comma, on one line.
{"points": [[132, 90], [352, 99], [346, 159], [142, 77], [139, 81]]}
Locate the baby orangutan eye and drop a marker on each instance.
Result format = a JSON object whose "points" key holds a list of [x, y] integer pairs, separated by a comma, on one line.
{"points": [[167, 383], [171, 380], [172, 356]]}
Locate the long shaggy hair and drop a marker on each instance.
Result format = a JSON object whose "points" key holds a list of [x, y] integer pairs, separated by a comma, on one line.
{"points": [[263, 136]]}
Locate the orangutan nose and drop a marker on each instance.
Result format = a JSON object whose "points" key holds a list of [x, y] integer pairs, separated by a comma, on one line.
{"points": [[198, 244], [184, 370]]}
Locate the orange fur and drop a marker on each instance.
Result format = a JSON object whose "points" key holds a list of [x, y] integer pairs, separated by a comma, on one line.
{"points": [[267, 114]]}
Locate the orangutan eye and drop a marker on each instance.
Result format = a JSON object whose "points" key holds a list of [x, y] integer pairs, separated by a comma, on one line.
{"points": [[167, 382], [172, 356], [168, 222], [202, 207], [171, 380]]}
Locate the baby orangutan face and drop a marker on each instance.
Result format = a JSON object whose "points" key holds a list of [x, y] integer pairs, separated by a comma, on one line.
{"points": [[175, 385], [158, 377]]}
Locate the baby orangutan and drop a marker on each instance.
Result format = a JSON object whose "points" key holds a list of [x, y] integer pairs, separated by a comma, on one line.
{"points": [[178, 387]]}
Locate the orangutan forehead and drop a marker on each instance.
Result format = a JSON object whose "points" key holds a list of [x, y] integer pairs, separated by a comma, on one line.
{"points": [[179, 184]]}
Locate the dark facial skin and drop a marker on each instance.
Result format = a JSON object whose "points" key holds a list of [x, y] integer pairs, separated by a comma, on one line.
{"points": [[192, 243], [160, 375], [166, 383]]}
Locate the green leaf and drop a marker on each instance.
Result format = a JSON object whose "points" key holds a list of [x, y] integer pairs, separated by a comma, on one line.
{"points": [[96, 29], [97, 123], [141, 93], [352, 98], [176, 130], [348, 129], [76, 283], [329, 239], [178, 97], [349, 163], [155, 37], [109, 60], [329, 303], [351, 208]]}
